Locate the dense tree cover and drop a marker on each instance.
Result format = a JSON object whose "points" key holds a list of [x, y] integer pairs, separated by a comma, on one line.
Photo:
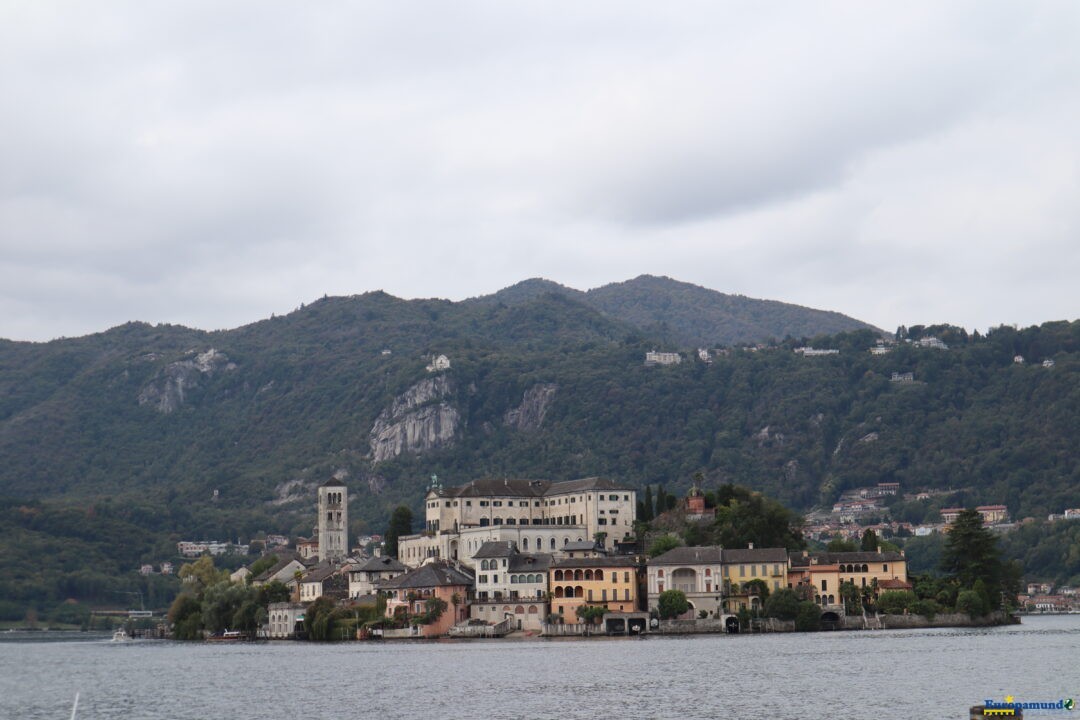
{"points": [[1048, 551], [211, 603], [306, 388]]}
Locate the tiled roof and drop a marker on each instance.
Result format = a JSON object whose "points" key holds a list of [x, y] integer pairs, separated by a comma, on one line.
{"points": [[435, 574], [494, 487], [495, 549], [603, 562], [333, 482], [523, 562], [755, 555], [707, 555], [278, 567], [582, 545], [836, 558], [379, 564]]}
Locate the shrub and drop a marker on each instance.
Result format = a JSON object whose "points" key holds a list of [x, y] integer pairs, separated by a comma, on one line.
{"points": [[808, 616], [927, 608], [895, 602], [970, 602], [662, 544], [783, 605]]}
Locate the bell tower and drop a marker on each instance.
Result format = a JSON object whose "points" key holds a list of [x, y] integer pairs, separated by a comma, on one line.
{"points": [[333, 520]]}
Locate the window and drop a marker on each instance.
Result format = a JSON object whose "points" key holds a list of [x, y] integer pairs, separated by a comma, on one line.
{"points": [[523, 503], [775, 569], [884, 568], [660, 573], [496, 503], [601, 521], [824, 585], [447, 503], [483, 503], [626, 576], [742, 571], [468, 503], [603, 596], [613, 498]]}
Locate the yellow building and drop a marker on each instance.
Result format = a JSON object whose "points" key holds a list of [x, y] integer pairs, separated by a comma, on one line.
{"points": [[821, 574], [741, 566], [609, 582]]}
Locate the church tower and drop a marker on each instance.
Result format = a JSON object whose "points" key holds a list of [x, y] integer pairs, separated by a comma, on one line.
{"points": [[333, 520]]}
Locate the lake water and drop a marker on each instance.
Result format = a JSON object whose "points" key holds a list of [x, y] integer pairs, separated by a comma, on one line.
{"points": [[871, 674]]}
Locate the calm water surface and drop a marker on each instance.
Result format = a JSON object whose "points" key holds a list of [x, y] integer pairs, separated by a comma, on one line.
{"points": [[876, 674]]}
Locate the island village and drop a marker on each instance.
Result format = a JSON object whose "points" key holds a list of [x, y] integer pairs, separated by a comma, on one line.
{"points": [[512, 557]]}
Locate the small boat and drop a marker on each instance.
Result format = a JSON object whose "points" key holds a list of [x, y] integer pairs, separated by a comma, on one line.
{"points": [[227, 636], [121, 636]]}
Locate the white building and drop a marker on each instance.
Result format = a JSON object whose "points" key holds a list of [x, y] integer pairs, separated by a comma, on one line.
{"points": [[282, 618], [931, 342], [662, 358], [362, 577], [510, 584], [537, 515], [814, 352]]}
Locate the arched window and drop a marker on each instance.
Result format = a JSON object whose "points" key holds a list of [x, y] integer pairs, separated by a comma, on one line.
{"points": [[599, 575], [569, 592], [565, 541], [519, 610], [660, 572], [708, 572], [578, 592], [533, 610], [513, 579], [866, 568], [579, 540], [558, 575], [588, 574], [524, 543], [552, 543], [559, 591], [498, 521], [577, 575]]}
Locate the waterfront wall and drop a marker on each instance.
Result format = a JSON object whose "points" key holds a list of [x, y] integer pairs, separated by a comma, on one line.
{"points": [[689, 627]]}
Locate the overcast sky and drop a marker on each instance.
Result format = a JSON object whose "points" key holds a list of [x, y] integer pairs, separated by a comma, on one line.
{"points": [[211, 163]]}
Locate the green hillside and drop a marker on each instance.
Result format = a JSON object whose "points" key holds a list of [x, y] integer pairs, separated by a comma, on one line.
{"points": [[178, 442]]}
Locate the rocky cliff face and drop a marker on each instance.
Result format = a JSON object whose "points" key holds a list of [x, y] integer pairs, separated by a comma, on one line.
{"points": [[166, 392], [419, 420], [529, 415]]}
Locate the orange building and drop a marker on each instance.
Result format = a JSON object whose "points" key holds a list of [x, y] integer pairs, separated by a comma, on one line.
{"points": [[409, 593], [608, 582], [822, 573]]}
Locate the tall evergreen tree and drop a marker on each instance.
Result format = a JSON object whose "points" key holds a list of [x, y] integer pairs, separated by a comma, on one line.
{"points": [[869, 541], [971, 554], [400, 524], [648, 515]]}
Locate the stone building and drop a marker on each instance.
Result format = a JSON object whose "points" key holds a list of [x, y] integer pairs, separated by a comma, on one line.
{"points": [[333, 521]]}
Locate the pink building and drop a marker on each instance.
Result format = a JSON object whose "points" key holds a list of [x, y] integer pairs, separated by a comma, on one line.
{"points": [[408, 594]]}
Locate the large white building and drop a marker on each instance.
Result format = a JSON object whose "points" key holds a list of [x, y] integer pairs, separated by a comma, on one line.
{"points": [[536, 515]]}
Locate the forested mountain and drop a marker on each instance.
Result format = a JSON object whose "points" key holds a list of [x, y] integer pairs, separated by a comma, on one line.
{"points": [[689, 315], [153, 433]]}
